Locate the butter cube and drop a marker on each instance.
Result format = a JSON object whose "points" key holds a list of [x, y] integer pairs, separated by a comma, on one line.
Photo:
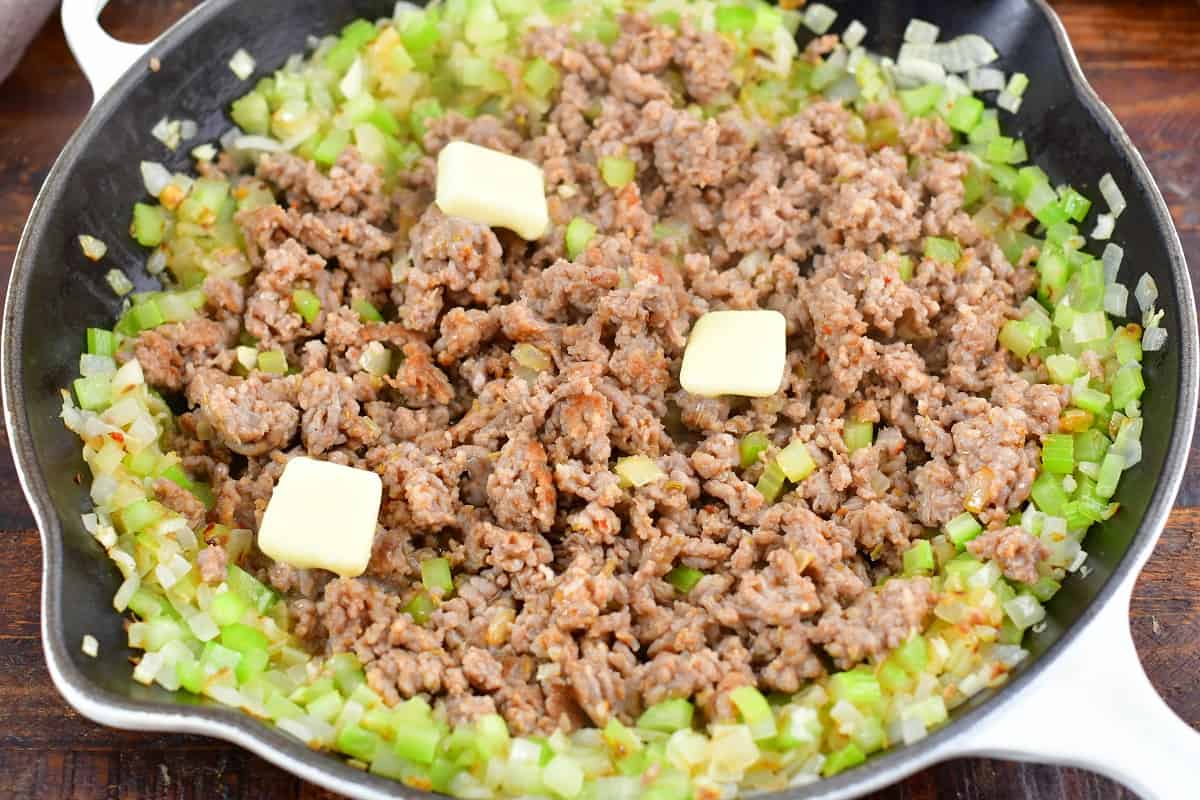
{"points": [[735, 352], [322, 515], [492, 188]]}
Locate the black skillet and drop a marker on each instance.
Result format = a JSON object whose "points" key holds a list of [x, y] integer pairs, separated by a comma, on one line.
{"points": [[1082, 699]]}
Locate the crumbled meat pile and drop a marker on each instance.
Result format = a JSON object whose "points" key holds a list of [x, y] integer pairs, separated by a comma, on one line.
{"points": [[562, 615]]}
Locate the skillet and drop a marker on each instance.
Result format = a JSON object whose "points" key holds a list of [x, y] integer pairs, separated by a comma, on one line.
{"points": [[1082, 699]]}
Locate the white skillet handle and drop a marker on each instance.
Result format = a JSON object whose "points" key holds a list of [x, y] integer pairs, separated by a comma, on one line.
{"points": [[102, 58], [1095, 708]]}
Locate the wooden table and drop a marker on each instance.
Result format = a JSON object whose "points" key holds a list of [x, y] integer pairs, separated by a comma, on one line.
{"points": [[1143, 59]]}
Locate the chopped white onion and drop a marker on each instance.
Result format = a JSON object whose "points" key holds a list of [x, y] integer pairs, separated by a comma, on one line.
{"points": [[819, 18], [1146, 292], [203, 626], [155, 176], [1018, 82], [1112, 256], [964, 53], [90, 364], [1112, 194], [226, 695], [157, 262], [921, 32], [126, 590], [921, 70], [1089, 468], [1009, 102], [1069, 484], [166, 578], [1080, 557], [92, 247], [119, 283], [263, 143], [188, 128], [986, 79], [204, 152], [354, 81], [90, 646], [148, 668], [1154, 339], [912, 729], [1104, 227], [1116, 299], [242, 64], [167, 131], [956, 87], [854, 34]]}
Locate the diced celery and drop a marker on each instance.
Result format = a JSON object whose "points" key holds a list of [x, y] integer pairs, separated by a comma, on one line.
{"points": [[227, 608], [1048, 494], [422, 112], [1090, 445], [416, 742], [252, 114], [858, 434], [306, 304], [858, 686], [1058, 453], [357, 742], [755, 711], [140, 515], [420, 607], [963, 529], [684, 578], [617, 172], [796, 461], [541, 77], [435, 576], [667, 716], [965, 113], [366, 311], [149, 225], [273, 362], [1127, 385], [579, 233], [101, 342], [1090, 400], [1110, 475], [331, 147], [770, 484], [943, 251], [918, 559], [913, 655], [751, 447], [1075, 204], [920, 101], [843, 759], [491, 735], [94, 393], [563, 776], [734, 18], [1021, 337], [259, 596], [621, 741]]}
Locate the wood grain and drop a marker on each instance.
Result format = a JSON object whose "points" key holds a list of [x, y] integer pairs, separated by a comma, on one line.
{"points": [[1143, 59]]}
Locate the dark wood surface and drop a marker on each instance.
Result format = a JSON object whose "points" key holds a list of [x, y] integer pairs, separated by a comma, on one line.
{"points": [[1144, 59]]}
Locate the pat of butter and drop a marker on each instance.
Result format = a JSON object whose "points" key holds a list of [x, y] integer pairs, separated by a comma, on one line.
{"points": [[322, 515], [493, 189], [735, 352]]}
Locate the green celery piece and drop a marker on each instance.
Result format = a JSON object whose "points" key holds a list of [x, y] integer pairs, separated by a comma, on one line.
{"points": [[920, 101], [94, 393], [751, 447], [944, 251], [770, 484], [253, 591], [913, 655], [435, 576], [578, 234], [227, 608], [684, 579], [1127, 385], [667, 716], [273, 362], [796, 461], [1022, 337], [858, 686], [965, 113], [755, 711], [963, 529], [541, 77], [417, 743], [621, 740], [617, 172], [422, 111], [858, 434], [252, 114], [1091, 445], [366, 311], [357, 742], [140, 515], [841, 760], [1075, 204], [331, 147], [306, 304], [1048, 494], [149, 224], [420, 607], [1058, 453], [101, 342], [734, 18], [918, 559]]}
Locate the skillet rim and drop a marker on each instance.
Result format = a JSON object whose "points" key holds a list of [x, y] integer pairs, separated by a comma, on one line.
{"points": [[330, 772]]}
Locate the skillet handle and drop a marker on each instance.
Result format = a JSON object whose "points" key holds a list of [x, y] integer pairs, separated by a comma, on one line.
{"points": [[1095, 708], [102, 58]]}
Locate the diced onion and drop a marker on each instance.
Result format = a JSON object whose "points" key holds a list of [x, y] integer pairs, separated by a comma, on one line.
{"points": [[1146, 292], [819, 18], [242, 64], [148, 668], [188, 128], [912, 729], [262, 143], [1112, 194], [204, 152], [985, 80], [130, 585], [157, 262], [90, 646], [1104, 227], [1154, 339], [167, 132], [376, 359], [1009, 102], [1116, 299], [1018, 82], [854, 34], [119, 282], [92, 247], [203, 626], [354, 81], [964, 53], [921, 32], [921, 70], [90, 365], [155, 176], [1112, 256]]}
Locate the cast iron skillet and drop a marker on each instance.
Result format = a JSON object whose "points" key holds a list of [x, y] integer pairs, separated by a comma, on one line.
{"points": [[1083, 699]]}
